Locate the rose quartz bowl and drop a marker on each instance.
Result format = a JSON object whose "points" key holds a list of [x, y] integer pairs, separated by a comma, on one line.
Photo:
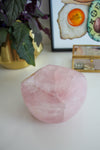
{"points": [[54, 94]]}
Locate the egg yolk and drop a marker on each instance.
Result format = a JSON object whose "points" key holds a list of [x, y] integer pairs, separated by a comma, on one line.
{"points": [[76, 17]]}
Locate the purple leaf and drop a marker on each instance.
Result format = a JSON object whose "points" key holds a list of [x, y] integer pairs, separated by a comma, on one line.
{"points": [[30, 8], [44, 29]]}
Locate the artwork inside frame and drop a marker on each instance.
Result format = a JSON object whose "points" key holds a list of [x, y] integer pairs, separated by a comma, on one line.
{"points": [[67, 31]]}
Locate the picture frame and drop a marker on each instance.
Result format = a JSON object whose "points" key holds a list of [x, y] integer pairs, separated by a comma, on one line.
{"points": [[58, 44]]}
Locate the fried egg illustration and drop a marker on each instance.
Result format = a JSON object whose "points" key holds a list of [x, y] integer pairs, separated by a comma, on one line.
{"points": [[72, 21]]}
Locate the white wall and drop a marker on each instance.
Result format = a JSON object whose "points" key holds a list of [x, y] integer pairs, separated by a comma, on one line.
{"points": [[45, 9], [45, 6]]}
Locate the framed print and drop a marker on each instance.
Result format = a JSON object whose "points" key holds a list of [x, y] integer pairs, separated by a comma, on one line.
{"points": [[72, 23]]}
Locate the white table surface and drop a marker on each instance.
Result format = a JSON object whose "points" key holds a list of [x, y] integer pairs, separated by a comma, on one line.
{"points": [[20, 131]]}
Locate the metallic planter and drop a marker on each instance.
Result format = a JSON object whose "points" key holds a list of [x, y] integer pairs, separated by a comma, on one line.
{"points": [[10, 59]]}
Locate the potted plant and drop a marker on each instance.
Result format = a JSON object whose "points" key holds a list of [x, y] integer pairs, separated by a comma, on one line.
{"points": [[17, 19]]}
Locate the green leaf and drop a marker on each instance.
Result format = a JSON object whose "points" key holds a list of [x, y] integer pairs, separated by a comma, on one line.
{"points": [[37, 34], [39, 13], [22, 42], [3, 18], [3, 35], [14, 8]]}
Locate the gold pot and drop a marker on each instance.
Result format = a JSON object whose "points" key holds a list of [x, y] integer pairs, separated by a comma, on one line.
{"points": [[10, 59]]}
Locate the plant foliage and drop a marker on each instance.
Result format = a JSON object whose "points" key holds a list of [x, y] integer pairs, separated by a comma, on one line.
{"points": [[3, 35], [29, 13], [13, 9], [22, 42]]}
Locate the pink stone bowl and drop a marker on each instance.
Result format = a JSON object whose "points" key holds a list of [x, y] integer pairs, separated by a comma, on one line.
{"points": [[54, 94]]}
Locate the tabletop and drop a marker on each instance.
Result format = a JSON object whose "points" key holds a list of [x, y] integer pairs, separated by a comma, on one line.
{"points": [[19, 130]]}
